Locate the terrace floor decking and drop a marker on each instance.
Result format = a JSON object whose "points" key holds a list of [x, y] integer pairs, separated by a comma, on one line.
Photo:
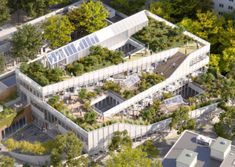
{"points": [[168, 67]]}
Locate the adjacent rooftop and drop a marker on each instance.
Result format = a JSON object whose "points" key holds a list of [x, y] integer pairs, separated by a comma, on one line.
{"points": [[188, 141]]}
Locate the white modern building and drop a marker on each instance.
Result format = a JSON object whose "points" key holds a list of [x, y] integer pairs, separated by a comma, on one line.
{"points": [[176, 64], [224, 6]]}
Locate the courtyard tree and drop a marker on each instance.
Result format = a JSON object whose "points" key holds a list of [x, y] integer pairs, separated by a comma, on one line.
{"points": [[120, 139], [89, 17], [6, 161], [4, 11], [26, 42], [129, 157], [149, 148], [67, 147], [57, 30]]}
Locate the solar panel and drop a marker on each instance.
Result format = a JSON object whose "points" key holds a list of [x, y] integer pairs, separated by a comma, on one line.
{"points": [[73, 48], [88, 41], [81, 45], [70, 50], [66, 51], [92, 40], [61, 54], [78, 48], [96, 39], [85, 44]]}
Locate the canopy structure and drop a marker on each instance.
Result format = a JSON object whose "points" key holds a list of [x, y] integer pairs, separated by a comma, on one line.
{"points": [[80, 48], [176, 100]]}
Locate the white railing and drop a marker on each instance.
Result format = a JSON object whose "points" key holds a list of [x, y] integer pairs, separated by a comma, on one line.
{"points": [[100, 138], [95, 76], [203, 110]]}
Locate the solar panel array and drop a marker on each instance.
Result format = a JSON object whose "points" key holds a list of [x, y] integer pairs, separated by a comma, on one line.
{"points": [[131, 80], [75, 47], [72, 48], [174, 100]]}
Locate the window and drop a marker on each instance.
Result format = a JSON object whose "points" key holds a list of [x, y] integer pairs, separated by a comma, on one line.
{"points": [[220, 13], [230, 7], [221, 5]]}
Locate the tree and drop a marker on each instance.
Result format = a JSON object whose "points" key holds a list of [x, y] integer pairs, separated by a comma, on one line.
{"points": [[4, 10], [119, 140], [176, 10], [26, 42], [6, 161], [130, 158], [227, 59], [57, 30], [89, 17], [149, 148], [128, 6], [66, 146], [56, 2], [2, 63]]}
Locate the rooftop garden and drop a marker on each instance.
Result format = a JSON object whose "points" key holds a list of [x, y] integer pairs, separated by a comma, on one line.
{"points": [[98, 58], [147, 80], [42, 75], [159, 36], [7, 116]]}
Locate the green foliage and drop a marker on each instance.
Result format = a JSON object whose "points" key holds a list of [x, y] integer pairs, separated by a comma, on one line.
{"points": [[40, 74], [35, 148], [120, 139], [56, 2], [226, 127], [98, 58], [6, 161], [7, 116], [130, 158], [67, 146], [148, 80], [33, 8], [2, 63], [88, 17], [127, 94], [128, 6], [152, 113], [158, 36], [110, 85], [149, 148], [4, 10], [80, 162], [90, 117], [176, 10], [181, 120], [86, 95], [167, 95], [57, 31], [26, 42], [56, 103]]}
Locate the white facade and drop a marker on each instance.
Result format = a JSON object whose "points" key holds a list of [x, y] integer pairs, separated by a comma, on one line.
{"points": [[112, 37], [224, 6]]}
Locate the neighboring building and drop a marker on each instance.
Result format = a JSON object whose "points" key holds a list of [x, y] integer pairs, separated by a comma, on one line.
{"points": [[177, 65], [224, 6], [188, 148]]}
